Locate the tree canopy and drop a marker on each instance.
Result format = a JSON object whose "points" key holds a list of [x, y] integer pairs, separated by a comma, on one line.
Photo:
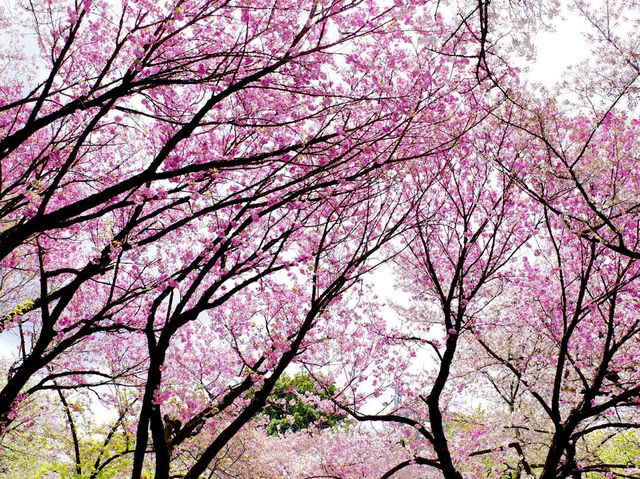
{"points": [[198, 197]]}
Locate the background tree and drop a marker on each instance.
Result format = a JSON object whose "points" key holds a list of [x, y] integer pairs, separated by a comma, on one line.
{"points": [[577, 375], [293, 406], [467, 229]]}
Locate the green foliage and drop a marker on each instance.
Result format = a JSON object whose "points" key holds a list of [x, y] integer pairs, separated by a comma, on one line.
{"points": [[289, 411], [52, 456], [621, 448], [42, 447]]}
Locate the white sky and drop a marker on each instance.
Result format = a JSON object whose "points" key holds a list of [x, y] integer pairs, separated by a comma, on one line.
{"points": [[559, 49]]}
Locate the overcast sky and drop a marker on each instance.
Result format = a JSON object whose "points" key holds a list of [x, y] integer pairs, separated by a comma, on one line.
{"points": [[559, 49]]}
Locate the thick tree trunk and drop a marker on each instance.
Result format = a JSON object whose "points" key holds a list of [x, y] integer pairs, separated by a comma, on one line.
{"points": [[554, 456], [440, 443], [147, 411]]}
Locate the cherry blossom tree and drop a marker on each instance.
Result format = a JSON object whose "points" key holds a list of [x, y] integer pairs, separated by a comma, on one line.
{"points": [[195, 193], [580, 376], [204, 180], [581, 158], [522, 313], [577, 158], [466, 231]]}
